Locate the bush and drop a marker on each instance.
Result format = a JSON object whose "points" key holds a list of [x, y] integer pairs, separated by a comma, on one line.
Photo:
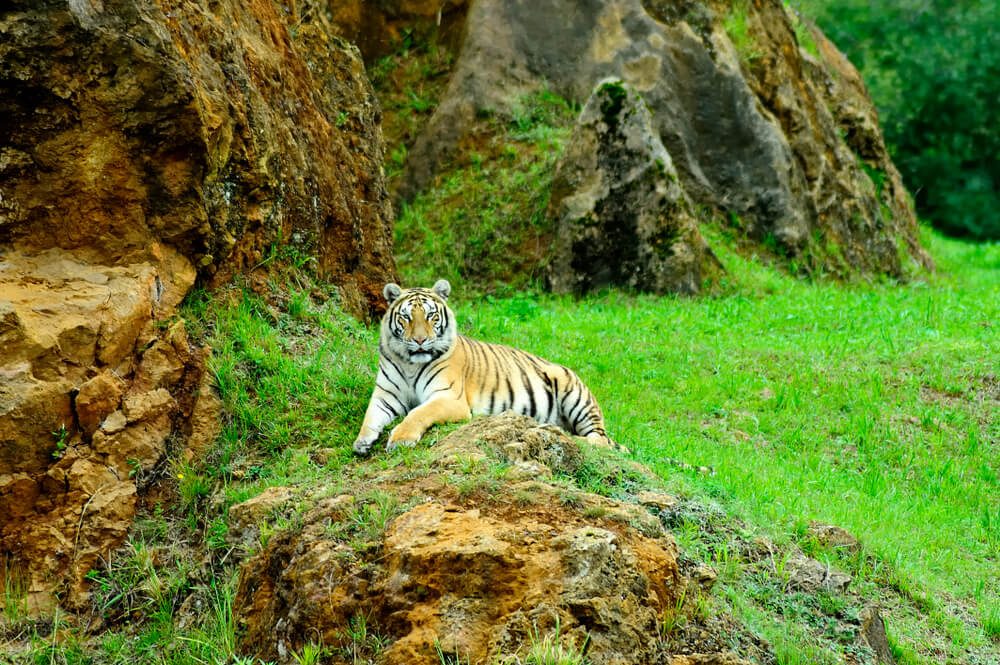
{"points": [[933, 69]]}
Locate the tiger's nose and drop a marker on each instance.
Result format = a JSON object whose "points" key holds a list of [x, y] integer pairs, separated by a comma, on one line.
{"points": [[419, 340]]}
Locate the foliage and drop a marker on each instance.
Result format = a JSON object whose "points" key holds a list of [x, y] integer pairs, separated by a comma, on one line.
{"points": [[737, 26], [933, 69]]}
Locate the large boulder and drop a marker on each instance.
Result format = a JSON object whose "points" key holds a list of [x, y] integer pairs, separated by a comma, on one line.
{"points": [[781, 144], [144, 145], [450, 581], [91, 390], [618, 210]]}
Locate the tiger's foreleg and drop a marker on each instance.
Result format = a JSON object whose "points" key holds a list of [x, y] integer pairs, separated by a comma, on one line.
{"points": [[444, 409], [383, 408]]}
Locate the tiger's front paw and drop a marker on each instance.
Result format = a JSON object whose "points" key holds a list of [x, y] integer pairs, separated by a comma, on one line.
{"points": [[363, 446], [402, 436], [392, 445]]}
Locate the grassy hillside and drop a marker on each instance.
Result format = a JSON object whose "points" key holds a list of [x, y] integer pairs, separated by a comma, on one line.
{"points": [[872, 407]]}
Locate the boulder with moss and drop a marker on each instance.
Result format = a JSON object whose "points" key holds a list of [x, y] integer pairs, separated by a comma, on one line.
{"points": [[482, 551], [777, 141], [619, 212]]}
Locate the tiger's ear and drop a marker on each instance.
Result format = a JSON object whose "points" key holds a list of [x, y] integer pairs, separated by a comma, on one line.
{"points": [[442, 288], [391, 292]]}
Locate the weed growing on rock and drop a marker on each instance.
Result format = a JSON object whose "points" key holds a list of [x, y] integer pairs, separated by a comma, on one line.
{"points": [[737, 26]]}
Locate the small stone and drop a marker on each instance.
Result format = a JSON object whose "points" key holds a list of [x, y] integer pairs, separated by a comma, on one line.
{"points": [[96, 399], [145, 406], [810, 575], [657, 500], [115, 422], [256, 510], [829, 535], [873, 634], [705, 576]]}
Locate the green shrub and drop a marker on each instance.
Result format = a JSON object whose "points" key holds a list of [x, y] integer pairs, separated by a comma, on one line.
{"points": [[933, 69]]}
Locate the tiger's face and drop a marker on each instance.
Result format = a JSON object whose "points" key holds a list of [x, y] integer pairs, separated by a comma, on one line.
{"points": [[418, 326]]}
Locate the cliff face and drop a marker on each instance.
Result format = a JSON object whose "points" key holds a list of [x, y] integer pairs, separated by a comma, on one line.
{"points": [[768, 126], [144, 144], [214, 129]]}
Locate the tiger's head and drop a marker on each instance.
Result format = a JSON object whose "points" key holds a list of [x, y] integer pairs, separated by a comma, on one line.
{"points": [[418, 326]]}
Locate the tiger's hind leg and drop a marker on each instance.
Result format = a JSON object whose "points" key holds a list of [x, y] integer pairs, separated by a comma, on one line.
{"points": [[605, 440]]}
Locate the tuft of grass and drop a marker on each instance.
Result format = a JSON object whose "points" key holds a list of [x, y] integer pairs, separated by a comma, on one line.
{"points": [[737, 26], [14, 588], [372, 514], [989, 618], [803, 33], [549, 649]]}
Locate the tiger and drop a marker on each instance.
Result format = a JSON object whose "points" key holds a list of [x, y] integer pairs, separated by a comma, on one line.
{"points": [[430, 374]]}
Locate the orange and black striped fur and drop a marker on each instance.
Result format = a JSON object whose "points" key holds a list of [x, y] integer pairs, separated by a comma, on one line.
{"points": [[430, 374]]}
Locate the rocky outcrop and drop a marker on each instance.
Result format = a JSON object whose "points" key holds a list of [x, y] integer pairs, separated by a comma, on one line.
{"points": [[783, 145], [143, 145], [619, 214], [532, 560], [221, 130], [92, 388]]}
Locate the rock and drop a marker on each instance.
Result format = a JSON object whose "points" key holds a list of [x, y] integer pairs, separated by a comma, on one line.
{"points": [[472, 581], [780, 145], [657, 500], [144, 145], [620, 216], [705, 576], [147, 405], [520, 440], [206, 420], [873, 634], [810, 575], [192, 134], [252, 512], [829, 535], [97, 398]]}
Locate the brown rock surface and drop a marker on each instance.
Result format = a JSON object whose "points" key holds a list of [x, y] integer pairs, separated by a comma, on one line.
{"points": [[139, 131], [873, 634], [144, 144], [379, 27], [473, 581], [784, 146], [75, 421], [811, 575]]}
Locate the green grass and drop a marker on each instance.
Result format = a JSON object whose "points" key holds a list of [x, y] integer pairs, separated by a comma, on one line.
{"points": [[483, 225], [737, 26], [870, 406]]}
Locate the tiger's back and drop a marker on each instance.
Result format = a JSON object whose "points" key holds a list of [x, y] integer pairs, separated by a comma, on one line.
{"points": [[430, 374], [500, 378]]}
